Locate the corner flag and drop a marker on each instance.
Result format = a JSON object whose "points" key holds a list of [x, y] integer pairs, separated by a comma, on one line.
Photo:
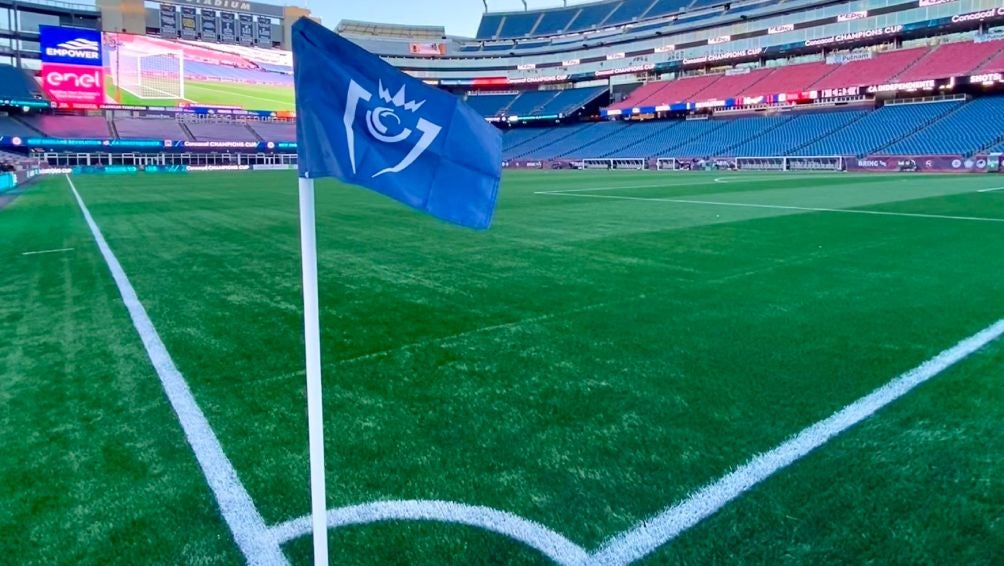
{"points": [[363, 121]]}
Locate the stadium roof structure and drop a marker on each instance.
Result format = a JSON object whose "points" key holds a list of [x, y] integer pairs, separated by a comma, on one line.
{"points": [[404, 31]]}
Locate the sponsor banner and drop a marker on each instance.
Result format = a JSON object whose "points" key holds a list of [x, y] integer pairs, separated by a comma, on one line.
{"points": [[70, 46], [207, 168], [614, 56], [526, 67], [533, 80], [839, 58], [991, 14], [740, 54], [987, 79], [168, 21], [73, 84], [245, 29], [846, 37], [286, 167], [228, 27], [189, 30], [720, 39], [624, 70], [666, 48], [924, 3], [570, 63], [907, 86], [144, 145], [780, 29], [838, 92], [165, 169], [851, 16], [265, 31], [105, 169], [928, 163], [209, 27]]}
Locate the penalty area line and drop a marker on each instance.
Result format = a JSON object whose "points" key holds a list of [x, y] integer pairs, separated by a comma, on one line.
{"points": [[55, 251], [239, 511]]}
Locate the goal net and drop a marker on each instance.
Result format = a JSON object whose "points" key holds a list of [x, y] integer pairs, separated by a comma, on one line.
{"points": [[809, 163], [667, 164], [150, 75]]}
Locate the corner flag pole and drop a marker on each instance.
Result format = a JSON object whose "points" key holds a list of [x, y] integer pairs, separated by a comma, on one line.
{"points": [[312, 338]]}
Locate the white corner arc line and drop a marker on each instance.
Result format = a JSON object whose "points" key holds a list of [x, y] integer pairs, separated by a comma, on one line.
{"points": [[551, 544], [56, 251], [780, 207], [652, 533], [664, 527], [239, 511]]}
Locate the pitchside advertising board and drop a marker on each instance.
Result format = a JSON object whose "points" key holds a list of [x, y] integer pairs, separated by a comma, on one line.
{"points": [[72, 73]]}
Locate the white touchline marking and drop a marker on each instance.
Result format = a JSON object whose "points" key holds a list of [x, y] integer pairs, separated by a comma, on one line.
{"points": [[991, 190], [239, 511], [656, 531], [672, 521], [60, 250], [781, 207], [551, 544]]}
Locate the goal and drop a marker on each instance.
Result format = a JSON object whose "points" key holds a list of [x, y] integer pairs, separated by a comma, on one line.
{"points": [[809, 163], [667, 164], [150, 75], [635, 163]]}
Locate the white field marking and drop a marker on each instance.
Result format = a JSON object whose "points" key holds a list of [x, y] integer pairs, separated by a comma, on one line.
{"points": [[737, 179], [784, 207], [991, 190], [548, 542], [56, 251], [239, 511], [656, 531], [650, 534]]}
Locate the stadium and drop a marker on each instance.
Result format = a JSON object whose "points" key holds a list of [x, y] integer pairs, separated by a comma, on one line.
{"points": [[741, 300]]}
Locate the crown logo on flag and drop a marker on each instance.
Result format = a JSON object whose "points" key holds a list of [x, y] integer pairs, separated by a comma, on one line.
{"points": [[398, 99]]}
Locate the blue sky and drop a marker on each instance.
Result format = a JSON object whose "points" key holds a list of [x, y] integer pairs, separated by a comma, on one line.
{"points": [[460, 17]]}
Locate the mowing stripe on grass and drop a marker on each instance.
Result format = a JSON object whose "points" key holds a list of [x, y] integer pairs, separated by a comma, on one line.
{"points": [[40, 252], [667, 525], [776, 206], [650, 534], [239, 511], [551, 544]]}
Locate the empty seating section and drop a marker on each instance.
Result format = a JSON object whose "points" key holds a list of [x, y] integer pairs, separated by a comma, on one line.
{"points": [[10, 126], [800, 131], [794, 78], [975, 125], [489, 26], [732, 133], [628, 11], [16, 84], [149, 128], [490, 104], [513, 139], [689, 88], [220, 131], [92, 127], [591, 16], [539, 142], [519, 25], [571, 146], [626, 142], [729, 86], [995, 64], [645, 95], [666, 7], [555, 21], [275, 131], [528, 102], [878, 129], [664, 141], [880, 69], [570, 100], [950, 60]]}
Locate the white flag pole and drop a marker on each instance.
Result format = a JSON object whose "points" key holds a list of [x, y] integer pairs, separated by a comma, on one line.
{"points": [[312, 336]]}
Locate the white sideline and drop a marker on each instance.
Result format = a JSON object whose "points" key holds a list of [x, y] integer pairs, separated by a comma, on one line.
{"points": [[653, 533], [650, 534], [548, 542], [992, 190], [239, 511], [56, 251], [776, 206]]}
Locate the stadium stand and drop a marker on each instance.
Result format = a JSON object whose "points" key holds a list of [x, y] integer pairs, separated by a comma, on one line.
{"points": [[221, 131], [971, 127], [568, 101], [794, 78], [541, 139], [489, 105], [18, 85], [566, 146], [732, 132], [10, 126], [880, 69], [950, 60], [803, 129], [728, 86], [527, 103], [995, 64], [879, 129], [664, 141], [157, 128], [274, 131], [92, 127]]}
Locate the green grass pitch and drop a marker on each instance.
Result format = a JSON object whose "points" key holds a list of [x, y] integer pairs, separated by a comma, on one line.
{"points": [[213, 93], [596, 356]]}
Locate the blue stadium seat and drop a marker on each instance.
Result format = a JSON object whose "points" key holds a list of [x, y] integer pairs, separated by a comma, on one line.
{"points": [[573, 145], [801, 130], [733, 132], [537, 144], [667, 8], [555, 21], [489, 105], [629, 11], [664, 140], [489, 26], [974, 126], [519, 25], [16, 84], [591, 15], [879, 129], [528, 102], [570, 100]]}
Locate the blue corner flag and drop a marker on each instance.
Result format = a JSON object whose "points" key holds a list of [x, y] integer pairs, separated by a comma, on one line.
{"points": [[364, 122]]}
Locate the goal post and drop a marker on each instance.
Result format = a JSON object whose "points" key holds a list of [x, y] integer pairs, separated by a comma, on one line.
{"points": [[150, 75], [667, 164], [799, 163]]}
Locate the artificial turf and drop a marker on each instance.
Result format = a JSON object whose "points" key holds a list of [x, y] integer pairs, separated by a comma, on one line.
{"points": [[585, 363], [213, 93]]}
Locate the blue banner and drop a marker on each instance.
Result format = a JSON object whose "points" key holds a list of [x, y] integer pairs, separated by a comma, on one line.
{"points": [[70, 46]]}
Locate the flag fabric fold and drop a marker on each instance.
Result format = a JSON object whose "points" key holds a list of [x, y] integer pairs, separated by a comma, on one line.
{"points": [[362, 121]]}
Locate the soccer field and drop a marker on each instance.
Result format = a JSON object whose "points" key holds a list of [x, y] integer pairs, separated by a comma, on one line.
{"points": [[574, 385], [214, 93]]}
